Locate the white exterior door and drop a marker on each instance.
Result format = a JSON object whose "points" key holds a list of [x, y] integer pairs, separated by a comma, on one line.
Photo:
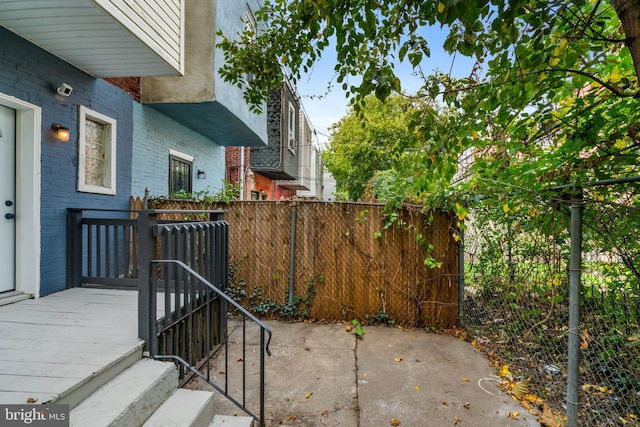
{"points": [[7, 198]]}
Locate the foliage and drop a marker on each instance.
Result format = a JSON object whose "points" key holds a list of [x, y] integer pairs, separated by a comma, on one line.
{"points": [[228, 193], [294, 309], [356, 328], [382, 185], [553, 98], [380, 318], [363, 144]]}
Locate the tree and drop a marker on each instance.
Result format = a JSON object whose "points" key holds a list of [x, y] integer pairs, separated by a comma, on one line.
{"points": [[363, 144], [553, 99]]}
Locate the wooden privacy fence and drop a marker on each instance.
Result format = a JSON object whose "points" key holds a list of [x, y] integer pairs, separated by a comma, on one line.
{"points": [[354, 268]]}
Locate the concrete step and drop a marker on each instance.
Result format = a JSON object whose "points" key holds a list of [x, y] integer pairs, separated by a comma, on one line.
{"points": [[231, 421], [130, 398], [184, 408], [84, 388]]}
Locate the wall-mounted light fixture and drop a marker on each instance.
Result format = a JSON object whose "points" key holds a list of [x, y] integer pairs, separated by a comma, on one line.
{"points": [[61, 132], [64, 89], [202, 174]]}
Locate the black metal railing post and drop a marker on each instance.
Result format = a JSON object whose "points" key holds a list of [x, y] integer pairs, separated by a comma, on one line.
{"points": [[74, 248], [146, 298]]}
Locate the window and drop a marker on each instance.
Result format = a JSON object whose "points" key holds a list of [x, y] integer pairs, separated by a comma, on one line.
{"points": [[291, 123], [250, 26], [180, 172], [97, 156]]}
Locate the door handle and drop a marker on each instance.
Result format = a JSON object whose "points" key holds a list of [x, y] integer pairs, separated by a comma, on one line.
{"points": [[10, 216]]}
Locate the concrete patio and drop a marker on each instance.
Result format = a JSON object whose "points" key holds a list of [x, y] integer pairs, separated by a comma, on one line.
{"points": [[322, 375], [318, 375]]}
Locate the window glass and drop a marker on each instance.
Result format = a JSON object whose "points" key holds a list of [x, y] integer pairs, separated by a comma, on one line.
{"points": [[180, 174], [97, 153]]}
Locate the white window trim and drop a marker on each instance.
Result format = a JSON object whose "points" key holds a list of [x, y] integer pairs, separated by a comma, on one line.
{"points": [[180, 155], [291, 128], [83, 114], [250, 24]]}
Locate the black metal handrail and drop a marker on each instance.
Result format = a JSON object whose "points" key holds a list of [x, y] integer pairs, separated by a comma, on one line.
{"points": [[157, 326]]}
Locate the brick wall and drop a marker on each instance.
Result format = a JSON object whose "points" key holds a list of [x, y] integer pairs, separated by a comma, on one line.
{"points": [[233, 173], [131, 85], [32, 74], [154, 134]]}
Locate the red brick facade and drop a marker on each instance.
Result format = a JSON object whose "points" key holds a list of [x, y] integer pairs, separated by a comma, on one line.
{"points": [[131, 85], [255, 186]]}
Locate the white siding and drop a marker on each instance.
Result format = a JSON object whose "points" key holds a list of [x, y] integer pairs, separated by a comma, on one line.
{"points": [[105, 38], [157, 23]]}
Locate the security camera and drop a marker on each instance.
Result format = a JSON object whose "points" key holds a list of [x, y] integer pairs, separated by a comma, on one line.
{"points": [[64, 89]]}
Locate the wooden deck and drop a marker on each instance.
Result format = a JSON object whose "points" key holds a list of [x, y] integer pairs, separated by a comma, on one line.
{"points": [[50, 347]]}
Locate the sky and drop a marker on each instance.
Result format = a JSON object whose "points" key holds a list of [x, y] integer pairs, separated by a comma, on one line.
{"points": [[324, 109]]}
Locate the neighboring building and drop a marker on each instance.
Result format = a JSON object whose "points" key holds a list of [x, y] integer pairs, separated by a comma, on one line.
{"points": [[280, 159], [289, 166], [205, 114], [328, 187], [309, 182]]}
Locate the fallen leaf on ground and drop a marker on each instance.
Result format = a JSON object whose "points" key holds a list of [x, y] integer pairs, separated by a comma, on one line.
{"points": [[223, 372], [417, 388], [465, 379], [546, 418], [240, 360], [308, 395], [398, 359], [445, 403], [366, 374], [456, 420], [521, 388], [395, 422], [514, 415], [292, 418], [466, 405], [504, 372], [348, 329], [325, 412], [31, 400]]}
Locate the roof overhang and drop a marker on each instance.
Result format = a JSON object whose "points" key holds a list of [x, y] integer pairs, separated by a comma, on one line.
{"points": [[104, 38], [214, 121]]}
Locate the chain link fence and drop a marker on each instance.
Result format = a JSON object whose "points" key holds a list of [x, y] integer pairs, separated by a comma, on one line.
{"points": [[516, 303]]}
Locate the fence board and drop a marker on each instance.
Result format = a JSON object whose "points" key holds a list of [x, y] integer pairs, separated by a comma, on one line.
{"points": [[363, 275]]}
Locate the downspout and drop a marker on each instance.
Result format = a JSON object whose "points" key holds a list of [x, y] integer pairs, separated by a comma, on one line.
{"points": [[292, 249]]}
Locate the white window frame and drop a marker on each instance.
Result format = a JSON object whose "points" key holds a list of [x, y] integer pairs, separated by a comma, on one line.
{"points": [[250, 25], [110, 152], [187, 159], [291, 128]]}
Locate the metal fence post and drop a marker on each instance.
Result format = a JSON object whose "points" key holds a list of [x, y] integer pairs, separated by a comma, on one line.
{"points": [[74, 247], [575, 273], [146, 298]]}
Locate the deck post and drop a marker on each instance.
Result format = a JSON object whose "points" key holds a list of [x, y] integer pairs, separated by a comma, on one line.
{"points": [[74, 248], [146, 298]]}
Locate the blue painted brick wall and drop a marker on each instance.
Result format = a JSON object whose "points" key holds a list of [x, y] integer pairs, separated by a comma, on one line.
{"points": [[154, 134], [31, 74]]}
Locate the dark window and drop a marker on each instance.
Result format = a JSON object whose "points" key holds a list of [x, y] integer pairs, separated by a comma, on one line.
{"points": [[255, 195], [180, 173]]}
